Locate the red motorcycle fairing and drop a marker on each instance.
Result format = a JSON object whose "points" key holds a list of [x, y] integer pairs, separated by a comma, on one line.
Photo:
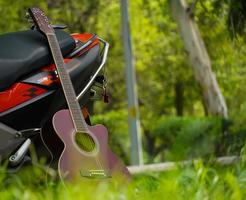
{"points": [[18, 94], [33, 112], [84, 38], [39, 83]]}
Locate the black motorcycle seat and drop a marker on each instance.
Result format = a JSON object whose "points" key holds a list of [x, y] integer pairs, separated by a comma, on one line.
{"points": [[26, 51]]}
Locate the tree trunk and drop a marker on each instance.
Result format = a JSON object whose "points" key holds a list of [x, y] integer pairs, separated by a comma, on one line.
{"points": [[179, 98], [199, 59]]}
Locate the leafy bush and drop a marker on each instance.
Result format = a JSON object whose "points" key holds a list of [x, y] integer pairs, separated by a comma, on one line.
{"points": [[116, 123], [174, 138], [185, 137]]}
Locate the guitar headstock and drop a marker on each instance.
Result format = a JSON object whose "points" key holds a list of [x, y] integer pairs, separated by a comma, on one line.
{"points": [[40, 20]]}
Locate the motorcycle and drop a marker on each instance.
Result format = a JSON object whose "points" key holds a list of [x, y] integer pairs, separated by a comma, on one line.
{"points": [[30, 92]]}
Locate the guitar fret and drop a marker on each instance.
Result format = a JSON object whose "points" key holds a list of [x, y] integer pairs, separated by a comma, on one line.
{"points": [[66, 83]]}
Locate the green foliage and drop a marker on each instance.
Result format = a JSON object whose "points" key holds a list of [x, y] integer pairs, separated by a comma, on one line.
{"points": [[237, 17], [161, 64], [174, 138], [197, 181], [187, 137], [13, 12], [116, 122], [226, 56]]}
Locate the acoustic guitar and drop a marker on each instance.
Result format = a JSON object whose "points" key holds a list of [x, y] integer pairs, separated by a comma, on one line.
{"points": [[86, 153]]}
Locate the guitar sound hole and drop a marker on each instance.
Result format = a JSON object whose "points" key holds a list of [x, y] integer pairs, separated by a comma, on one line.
{"points": [[85, 141]]}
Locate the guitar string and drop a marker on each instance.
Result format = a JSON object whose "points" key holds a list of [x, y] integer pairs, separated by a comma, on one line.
{"points": [[97, 160], [65, 72], [45, 24], [91, 144], [86, 140]]}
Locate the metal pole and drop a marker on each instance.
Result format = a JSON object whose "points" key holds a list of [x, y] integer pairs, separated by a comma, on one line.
{"points": [[133, 109]]}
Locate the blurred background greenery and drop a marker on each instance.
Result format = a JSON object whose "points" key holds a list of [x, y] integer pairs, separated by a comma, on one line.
{"points": [[174, 121]]}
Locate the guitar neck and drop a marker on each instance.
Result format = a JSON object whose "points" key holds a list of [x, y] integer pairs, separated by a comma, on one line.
{"points": [[68, 89]]}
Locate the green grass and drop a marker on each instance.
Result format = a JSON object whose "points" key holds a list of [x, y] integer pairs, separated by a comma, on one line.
{"points": [[198, 181]]}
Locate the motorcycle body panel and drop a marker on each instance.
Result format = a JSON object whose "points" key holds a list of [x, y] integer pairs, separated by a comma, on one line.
{"points": [[37, 96]]}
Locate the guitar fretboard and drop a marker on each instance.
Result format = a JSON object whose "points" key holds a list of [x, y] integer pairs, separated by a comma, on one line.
{"points": [[68, 89]]}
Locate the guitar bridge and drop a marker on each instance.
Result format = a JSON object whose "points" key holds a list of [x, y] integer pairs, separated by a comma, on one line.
{"points": [[95, 174]]}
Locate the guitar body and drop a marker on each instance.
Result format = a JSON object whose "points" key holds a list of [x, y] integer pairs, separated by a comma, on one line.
{"points": [[74, 162], [85, 153]]}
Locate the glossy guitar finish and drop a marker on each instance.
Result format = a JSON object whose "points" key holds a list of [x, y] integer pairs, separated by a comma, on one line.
{"points": [[74, 162], [91, 158]]}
